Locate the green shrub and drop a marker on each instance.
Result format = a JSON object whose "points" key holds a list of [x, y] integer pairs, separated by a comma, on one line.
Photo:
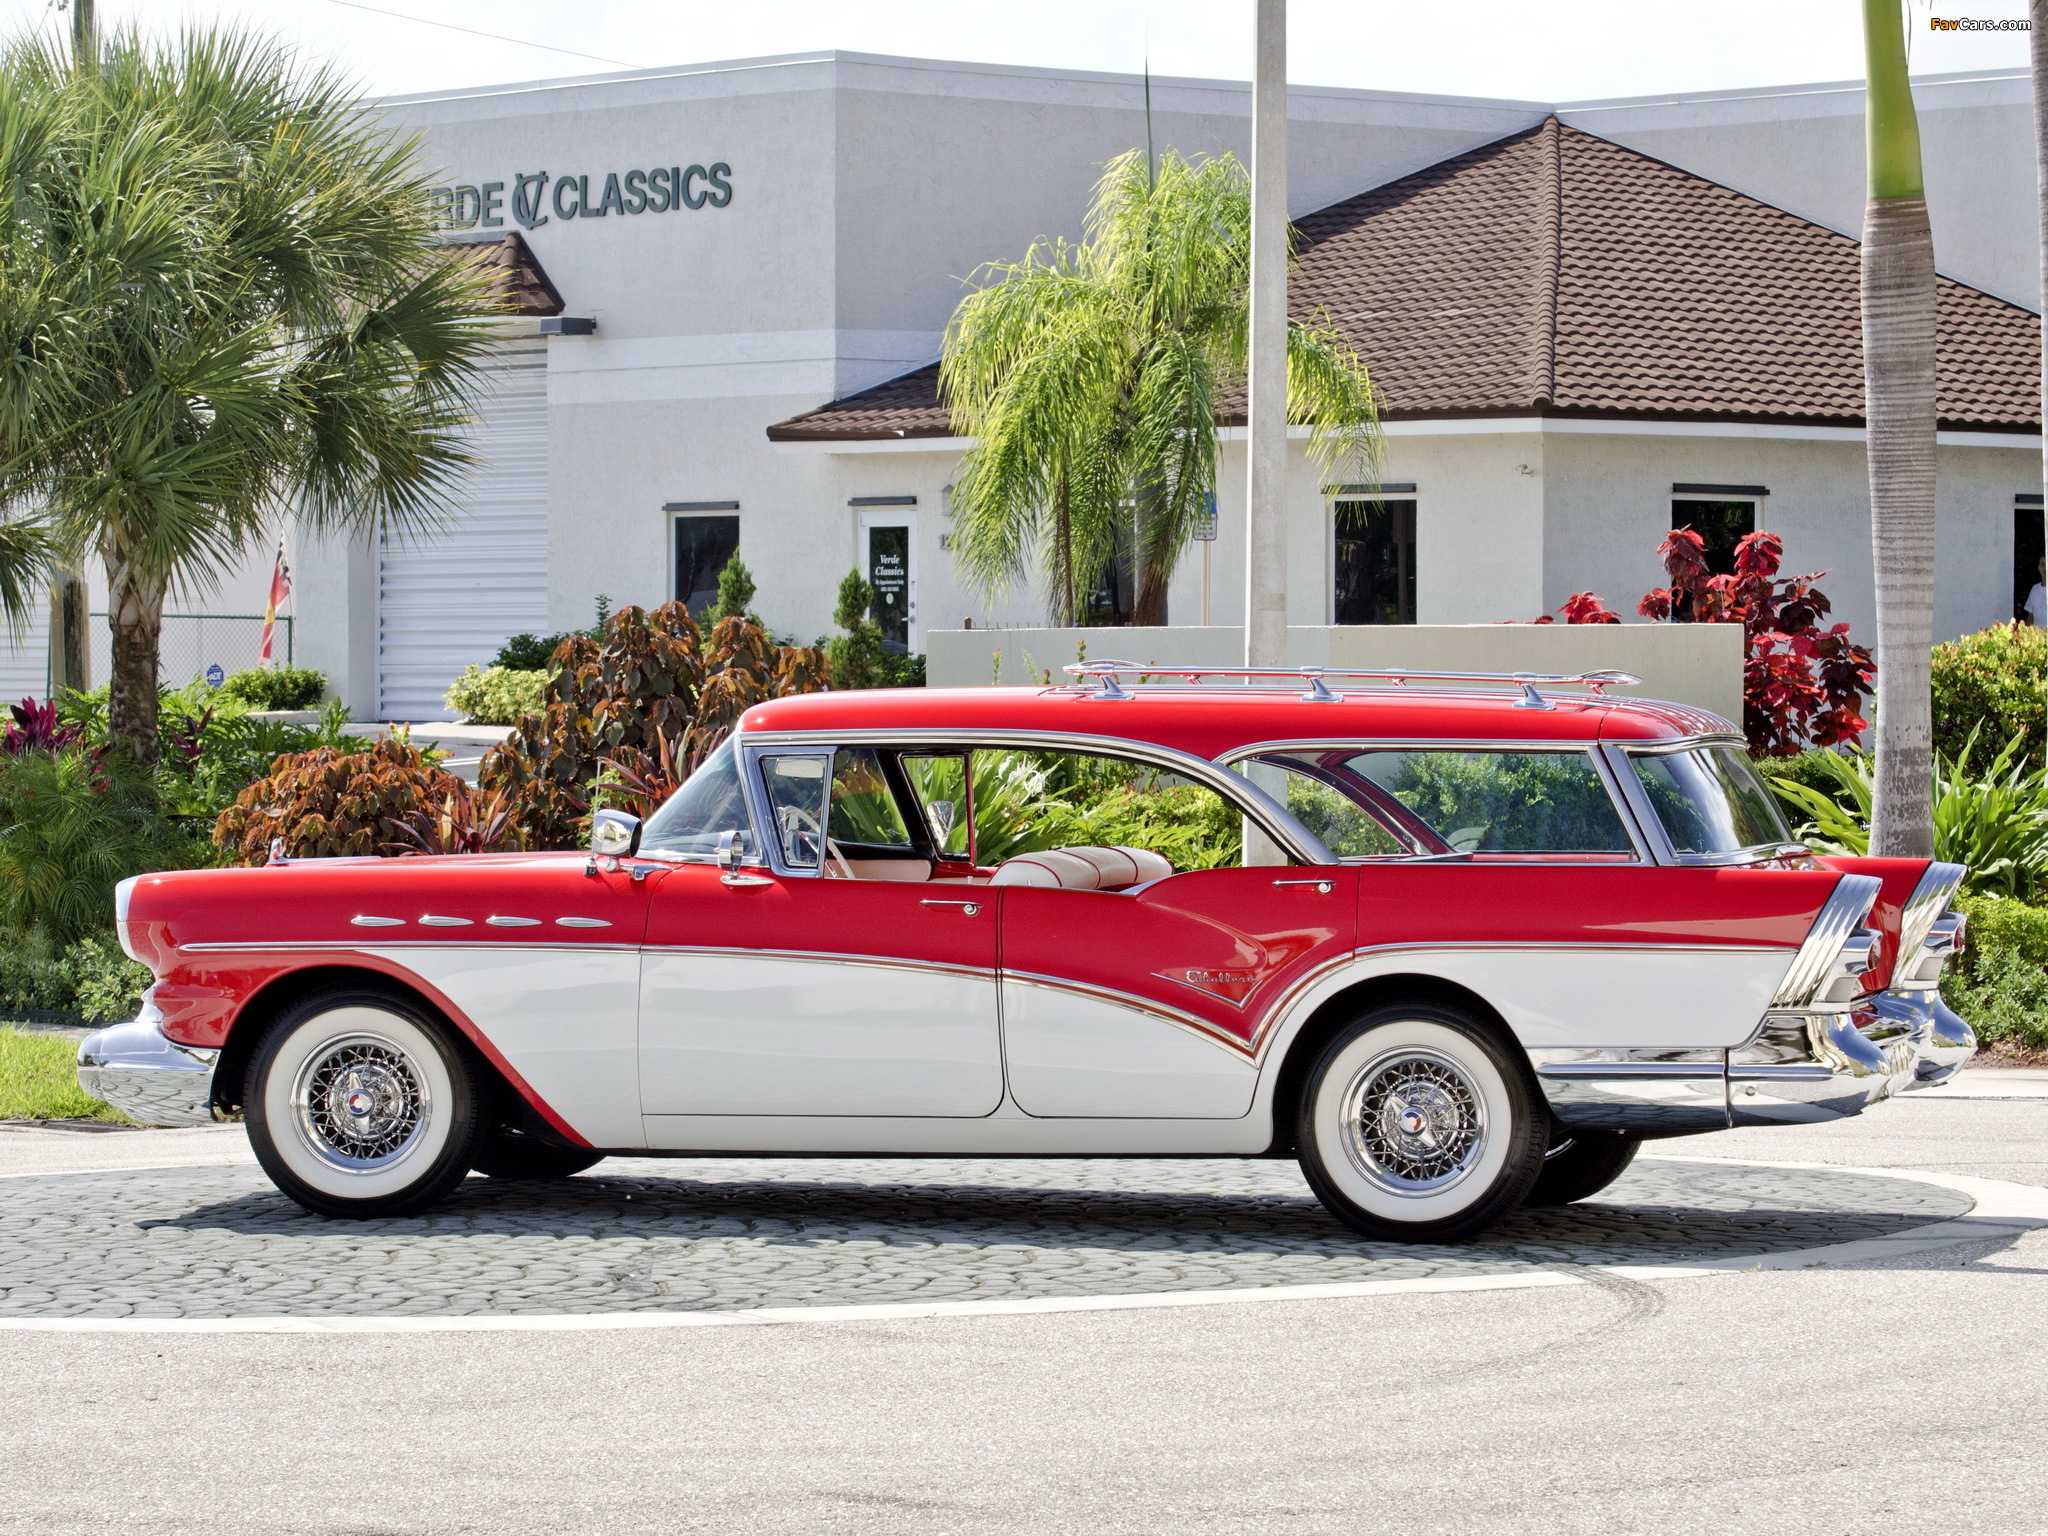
{"points": [[92, 978], [276, 687], [71, 828], [533, 653], [497, 695], [1991, 683], [39, 1080], [1813, 769], [2000, 982], [32, 982]]}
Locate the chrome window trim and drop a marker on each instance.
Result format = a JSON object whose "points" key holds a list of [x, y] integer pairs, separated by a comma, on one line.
{"points": [[1644, 851], [1271, 817], [761, 809]]}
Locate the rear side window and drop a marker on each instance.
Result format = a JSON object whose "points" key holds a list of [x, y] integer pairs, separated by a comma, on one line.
{"points": [[1710, 800], [1394, 801]]}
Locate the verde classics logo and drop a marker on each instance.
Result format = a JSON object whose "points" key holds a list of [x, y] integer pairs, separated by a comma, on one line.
{"points": [[537, 196]]}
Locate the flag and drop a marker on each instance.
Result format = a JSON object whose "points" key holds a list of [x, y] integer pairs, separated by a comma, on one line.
{"points": [[280, 589]]}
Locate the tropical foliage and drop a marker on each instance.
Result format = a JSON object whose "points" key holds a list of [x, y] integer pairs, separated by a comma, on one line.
{"points": [[497, 695], [1994, 682], [1802, 683], [276, 687], [220, 293], [1092, 377], [331, 803]]}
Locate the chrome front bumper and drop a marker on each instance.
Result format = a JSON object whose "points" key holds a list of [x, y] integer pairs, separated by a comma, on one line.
{"points": [[1800, 1068], [150, 1079]]}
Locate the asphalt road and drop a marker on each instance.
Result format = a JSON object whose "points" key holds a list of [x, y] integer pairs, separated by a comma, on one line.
{"points": [[1905, 1395]]}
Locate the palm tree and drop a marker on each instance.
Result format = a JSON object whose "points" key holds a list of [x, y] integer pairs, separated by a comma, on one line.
{"points": [[1898, 389], [1088, 375], [220, 301]]}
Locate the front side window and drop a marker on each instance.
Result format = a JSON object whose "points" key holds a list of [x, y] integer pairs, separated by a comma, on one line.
{"points": [[1709, 800], [688, 823], [864, 808]]}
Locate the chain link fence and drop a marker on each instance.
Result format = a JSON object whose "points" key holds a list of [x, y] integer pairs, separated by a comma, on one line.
{"points": [[202, 645]]}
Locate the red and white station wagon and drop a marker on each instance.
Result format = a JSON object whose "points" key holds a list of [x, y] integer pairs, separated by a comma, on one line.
{"points": [[1454, 948]]}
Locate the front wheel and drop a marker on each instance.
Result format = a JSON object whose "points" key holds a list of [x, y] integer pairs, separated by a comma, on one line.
{"points": [[1417, 1125], [362, 1105]]}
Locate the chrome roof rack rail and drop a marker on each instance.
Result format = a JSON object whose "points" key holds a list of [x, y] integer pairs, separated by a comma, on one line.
{"points": [[1108, 677]]}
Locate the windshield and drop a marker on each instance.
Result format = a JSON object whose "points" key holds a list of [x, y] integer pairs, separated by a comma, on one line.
{"points": [[1711, 801], [689, 821]]}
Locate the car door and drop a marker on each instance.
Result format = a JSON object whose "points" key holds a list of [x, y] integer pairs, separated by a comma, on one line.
{"points": [[827, 977], [1153, 1003]]}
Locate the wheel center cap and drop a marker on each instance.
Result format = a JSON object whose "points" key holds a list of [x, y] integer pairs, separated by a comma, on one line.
{"points": [[360, 1102], [1411, 1120]]}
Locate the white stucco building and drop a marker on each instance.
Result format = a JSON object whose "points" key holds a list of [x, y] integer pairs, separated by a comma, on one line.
{"points": [[1574, 310]]}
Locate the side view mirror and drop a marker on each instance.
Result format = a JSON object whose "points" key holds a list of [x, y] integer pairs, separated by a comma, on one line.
{"points": [[729, 850], [614, 835]]}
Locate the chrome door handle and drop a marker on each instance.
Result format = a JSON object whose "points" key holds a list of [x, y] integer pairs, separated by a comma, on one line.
{"points": [[1323, 887], [971, 908]]}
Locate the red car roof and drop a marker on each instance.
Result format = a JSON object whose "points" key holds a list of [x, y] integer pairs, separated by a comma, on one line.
{"points": [[1211, 721]]}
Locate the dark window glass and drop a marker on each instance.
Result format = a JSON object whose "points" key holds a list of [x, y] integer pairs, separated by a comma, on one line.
{"points": [[889, 575], [864, 808], [1501, 802], [703, 546], [1711, 801], [2027, 549], [1375, 562], [1721, 524]]}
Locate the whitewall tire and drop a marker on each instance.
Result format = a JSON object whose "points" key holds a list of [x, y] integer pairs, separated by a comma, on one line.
{"points": [[362, 1105], [1416, 1124]]}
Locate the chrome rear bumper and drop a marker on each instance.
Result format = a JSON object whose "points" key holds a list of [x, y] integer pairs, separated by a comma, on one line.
{"points": [[1800, 1068], [150, 1079]]}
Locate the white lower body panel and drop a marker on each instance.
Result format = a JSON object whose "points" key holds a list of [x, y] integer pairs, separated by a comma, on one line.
{"points": [[1071, 1054], [1006, 1135], [564, 1019], [739, 1034]]}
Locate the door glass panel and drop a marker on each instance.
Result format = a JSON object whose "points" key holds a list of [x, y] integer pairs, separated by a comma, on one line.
{"points": [[940, 784], [1027, 801], [863, 806], [889, 575], [689, 821], [1501, 802], [796, 793], [1313, 797]]}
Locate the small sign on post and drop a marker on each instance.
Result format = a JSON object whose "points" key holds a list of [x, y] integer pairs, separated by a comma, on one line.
{"points": [[215, 676]]}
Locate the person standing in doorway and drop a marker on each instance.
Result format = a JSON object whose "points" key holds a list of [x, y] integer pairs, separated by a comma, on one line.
{"points": [[2037, 598]]}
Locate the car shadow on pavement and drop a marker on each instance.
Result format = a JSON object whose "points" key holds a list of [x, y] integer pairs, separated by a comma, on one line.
{"points": [[1666, 1214]]}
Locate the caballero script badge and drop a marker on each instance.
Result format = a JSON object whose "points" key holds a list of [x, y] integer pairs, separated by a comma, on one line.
{"points": [[538, 196]]}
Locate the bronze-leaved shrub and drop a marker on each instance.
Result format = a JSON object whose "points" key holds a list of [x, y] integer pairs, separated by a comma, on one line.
{"points": [[329, 803]]}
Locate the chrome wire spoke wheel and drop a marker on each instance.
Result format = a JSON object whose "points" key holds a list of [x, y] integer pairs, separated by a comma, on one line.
{"points": [[360, 1103], [1414, 1122]]}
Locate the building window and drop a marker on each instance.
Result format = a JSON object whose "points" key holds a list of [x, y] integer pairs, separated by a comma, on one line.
{"points": [[2028, 545], [1721, 524], [1375, 573], [703, 546]]}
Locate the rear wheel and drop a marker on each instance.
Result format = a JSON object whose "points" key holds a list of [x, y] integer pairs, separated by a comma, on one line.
{"points": [[1579, 1167], [1417, 1125], [360, 1104]]}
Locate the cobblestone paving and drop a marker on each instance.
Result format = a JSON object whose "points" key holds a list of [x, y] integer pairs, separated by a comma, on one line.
{"points": [[644, 1234]]}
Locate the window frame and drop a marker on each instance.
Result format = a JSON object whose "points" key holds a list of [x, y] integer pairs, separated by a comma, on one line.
{"points": [[1289, 835], [1646, 851]]}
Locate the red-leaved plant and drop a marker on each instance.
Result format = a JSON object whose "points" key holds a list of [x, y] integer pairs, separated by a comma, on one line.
{"points": [[1802, 685], [36, 729]]}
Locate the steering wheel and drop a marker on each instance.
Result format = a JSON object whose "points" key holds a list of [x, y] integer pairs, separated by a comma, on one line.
{"points": [[797, 819]]}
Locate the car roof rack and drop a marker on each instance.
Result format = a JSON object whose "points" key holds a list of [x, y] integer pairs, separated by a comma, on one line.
{"points": [[1108, 677]]}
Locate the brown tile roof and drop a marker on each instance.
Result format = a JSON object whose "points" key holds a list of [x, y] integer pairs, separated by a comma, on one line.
{"points": [[517, 275], [1555, 273]]}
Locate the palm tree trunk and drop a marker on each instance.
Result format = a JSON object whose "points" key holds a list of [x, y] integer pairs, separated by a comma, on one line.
{"points": [[1899, 406], [135, 613], [2037, 47], [1154, 554], [1069, 613]]}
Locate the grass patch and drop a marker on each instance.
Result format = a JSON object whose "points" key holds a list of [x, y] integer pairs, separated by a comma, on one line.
{"points": [[39, 1080]]}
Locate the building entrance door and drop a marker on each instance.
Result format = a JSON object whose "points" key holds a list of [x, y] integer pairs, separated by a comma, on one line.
{"points": [[886, 565]]}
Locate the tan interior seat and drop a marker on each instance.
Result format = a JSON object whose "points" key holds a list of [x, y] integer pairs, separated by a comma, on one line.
{"points": [[1083, 869]]}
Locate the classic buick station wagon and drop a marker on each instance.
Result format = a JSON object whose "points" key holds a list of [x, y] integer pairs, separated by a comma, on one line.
{"points": [[1454, 948]]}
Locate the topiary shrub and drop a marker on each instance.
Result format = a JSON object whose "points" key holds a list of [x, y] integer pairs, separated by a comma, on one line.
{"points": [[329, 803], [276, 687], [1991, 683], [497, 695]]}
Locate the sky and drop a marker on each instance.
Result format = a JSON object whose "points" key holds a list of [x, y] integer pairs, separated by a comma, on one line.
{"points": [[1563, 50]]}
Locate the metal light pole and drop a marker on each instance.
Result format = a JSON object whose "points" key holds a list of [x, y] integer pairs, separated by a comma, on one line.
{"points": [[1265, 562]]}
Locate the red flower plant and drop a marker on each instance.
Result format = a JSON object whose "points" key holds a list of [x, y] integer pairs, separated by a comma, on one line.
{"points": [[1802, 685]]}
